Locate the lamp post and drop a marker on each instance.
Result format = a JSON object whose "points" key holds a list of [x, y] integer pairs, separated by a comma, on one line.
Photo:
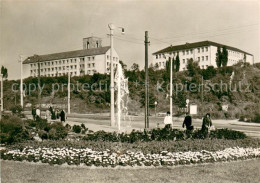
{"points": [[69, 89], [112, 89], [1, 97], [21, 82]]}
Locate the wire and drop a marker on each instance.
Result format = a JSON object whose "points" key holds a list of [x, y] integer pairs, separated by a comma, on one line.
{"points": [[206, 36], [130, 41], [210, 31]]}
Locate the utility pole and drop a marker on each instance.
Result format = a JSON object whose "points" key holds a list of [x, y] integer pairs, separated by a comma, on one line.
{"points": [[2, 101], [39, 84], [202, 109], [21, 82], [170, 86], [69, 92], [146, 42]]}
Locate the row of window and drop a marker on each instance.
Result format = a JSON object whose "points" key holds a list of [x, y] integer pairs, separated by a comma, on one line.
{"points": [[59, 62], [202, 58], [55, 68], [57, 74], [235, 54], [114, 58], [184, 52]]}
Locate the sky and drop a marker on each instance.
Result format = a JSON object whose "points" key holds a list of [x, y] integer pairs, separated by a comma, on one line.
{"points": [[29, 27]]}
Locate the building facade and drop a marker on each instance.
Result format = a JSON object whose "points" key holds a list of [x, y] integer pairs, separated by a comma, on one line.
{"points": [[92, 59], [204, 52]]}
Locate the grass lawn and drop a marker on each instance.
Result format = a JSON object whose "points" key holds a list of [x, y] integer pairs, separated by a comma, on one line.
{"points": [[240, 171]]}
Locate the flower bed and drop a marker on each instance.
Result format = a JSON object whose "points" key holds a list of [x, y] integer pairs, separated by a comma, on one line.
{"points": [[89, 157]]}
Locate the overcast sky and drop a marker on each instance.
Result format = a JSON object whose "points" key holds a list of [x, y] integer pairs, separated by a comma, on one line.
{"points": [[41, 27]]}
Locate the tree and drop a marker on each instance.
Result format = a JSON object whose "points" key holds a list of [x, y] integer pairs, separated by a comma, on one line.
{"points": [[124, 66], [135, 67], [177, 63], [218, 57], [224, 56], [4, 72], [192, 67]]}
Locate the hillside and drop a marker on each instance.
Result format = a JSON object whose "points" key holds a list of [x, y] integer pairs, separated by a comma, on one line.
{"points": [[240, 91]]}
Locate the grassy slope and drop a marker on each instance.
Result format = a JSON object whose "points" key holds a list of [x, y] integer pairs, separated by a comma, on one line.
{"points": [[242, 102], [240, 171]]}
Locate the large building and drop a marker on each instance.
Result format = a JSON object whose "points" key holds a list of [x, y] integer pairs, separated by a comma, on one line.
{"points": [[91, 59], [204, 52]]}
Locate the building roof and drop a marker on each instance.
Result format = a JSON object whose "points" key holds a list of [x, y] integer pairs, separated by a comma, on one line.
{"points": [[196, 45], [68, 54]]}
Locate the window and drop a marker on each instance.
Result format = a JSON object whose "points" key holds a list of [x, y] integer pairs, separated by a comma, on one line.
{"points": [[183, 52], [107, 57], [159, 63], [198, 58], [71, 66], [156, 56], [191, 51], [198, 50], [88, 65], [187, 52], [183, 61], [206, 48], [93, 65], [202, 58], [202, 49], [88, 58], [93, 58], [207, 58], [160, 56]]}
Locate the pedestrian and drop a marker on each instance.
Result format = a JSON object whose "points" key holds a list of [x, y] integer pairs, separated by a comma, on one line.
{"points": [[168, 120], [38, 114], [48, 115], [34, 113], [62, 116], [187, 122], [57, 114], [206, 124]]}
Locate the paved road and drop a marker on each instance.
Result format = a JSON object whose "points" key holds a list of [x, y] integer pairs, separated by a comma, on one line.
{"points": [[98, 121]]}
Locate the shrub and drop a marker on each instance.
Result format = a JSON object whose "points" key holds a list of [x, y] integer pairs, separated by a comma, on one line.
{"points": [[17, 110], [76, 129], [11, 131], [57, 131], [227, 134]]}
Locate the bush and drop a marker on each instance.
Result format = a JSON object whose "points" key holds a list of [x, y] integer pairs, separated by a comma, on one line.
{"points": [[227, 134], [17, 110], [164, 134], [76, 129], [11, 131], [57, 131]]}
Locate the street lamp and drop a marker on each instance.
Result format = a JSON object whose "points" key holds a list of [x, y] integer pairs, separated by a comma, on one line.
{"points": [[1, 97], [21, 82], [68, 69], [112, 89]]}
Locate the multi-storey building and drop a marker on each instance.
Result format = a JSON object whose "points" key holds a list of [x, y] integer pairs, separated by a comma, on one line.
{"points": [[93, 58], [204, 52]]}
